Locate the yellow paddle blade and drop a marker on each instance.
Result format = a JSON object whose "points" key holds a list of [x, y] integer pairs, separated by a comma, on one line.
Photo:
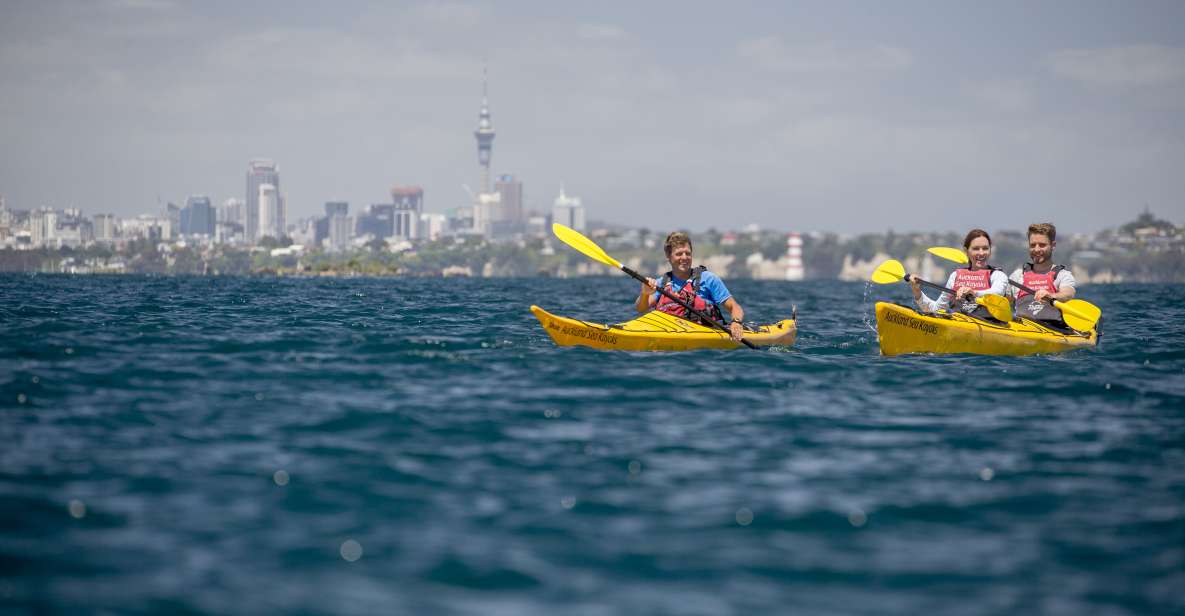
{"points": [[997, 305], [888, 272], [1079, 314], [950, 254], [582, 244]]}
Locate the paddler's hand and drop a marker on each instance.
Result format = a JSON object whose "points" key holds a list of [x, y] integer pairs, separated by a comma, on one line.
{"points": [[1043, 296], [966, 293], [917, 288], [736, 331]]}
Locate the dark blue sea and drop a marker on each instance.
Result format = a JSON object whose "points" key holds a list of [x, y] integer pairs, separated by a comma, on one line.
{"points": [[406, 446]]}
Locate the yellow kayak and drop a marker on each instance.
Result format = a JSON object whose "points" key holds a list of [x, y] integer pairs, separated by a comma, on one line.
{"points": [[905, 330], [656, 331]]}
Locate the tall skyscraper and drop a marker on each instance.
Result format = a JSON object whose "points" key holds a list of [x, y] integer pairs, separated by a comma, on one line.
{"points": [[270, 218], [511, 189], [485, 137], [409, 205], [197, 217], [568, 211], [259, 172]]}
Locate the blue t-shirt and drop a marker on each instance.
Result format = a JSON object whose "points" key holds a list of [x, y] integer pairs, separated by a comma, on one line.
{"points": [[711, 288]]}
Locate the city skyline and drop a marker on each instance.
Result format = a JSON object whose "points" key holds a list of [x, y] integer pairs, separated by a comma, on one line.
{"points": [[795, 118]]}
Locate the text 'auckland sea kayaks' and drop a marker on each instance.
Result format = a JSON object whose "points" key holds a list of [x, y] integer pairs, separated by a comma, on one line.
{"points": [[901, 329], [656, 331]]}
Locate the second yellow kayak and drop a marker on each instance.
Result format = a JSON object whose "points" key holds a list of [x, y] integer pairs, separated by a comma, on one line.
{"points": [[904, 330]]}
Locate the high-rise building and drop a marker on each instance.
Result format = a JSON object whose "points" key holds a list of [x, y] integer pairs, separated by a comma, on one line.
{"points": [[198, 216], [259, 172], [377, 220], [270, 218], [172, 216], [485, 138], [511, 189], [43, 224], [104, 225], [409, 205], [321, 228], [568, 211], [341, 229], [233, 211]]}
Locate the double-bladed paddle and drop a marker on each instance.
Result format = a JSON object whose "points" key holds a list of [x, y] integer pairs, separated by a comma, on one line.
{"points": [[589, 248], [1078, 314], [893, 271]]}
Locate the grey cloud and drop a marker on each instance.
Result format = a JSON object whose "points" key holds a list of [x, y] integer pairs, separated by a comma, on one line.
{"points": [[1133, 65], [773, 54]]}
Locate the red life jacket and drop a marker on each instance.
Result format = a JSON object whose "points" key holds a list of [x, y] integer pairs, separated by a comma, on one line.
{"points": [[1028, 307], [977, 280], [689, 293], [1039, 282]]}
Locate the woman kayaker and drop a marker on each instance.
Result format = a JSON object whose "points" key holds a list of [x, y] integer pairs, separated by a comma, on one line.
{"points": [[1050, 281], [696, 286], [976, 279]]}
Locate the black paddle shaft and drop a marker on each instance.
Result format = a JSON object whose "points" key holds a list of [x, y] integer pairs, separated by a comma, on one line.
{"points": [[689, 307], [927, 283]]}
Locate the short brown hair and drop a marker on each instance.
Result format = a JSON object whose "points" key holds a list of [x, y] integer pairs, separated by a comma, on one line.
{"points": [[678, 238], [1043, 228], [974, 233]]}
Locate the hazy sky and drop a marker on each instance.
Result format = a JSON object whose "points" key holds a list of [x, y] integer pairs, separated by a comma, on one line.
{"points": [[849, 116]]}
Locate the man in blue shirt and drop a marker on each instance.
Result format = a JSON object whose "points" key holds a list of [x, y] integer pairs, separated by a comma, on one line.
{"points": [[696, 286]]}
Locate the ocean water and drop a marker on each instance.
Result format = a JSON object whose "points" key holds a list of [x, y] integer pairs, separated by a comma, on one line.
{"points": [[358, 446]]}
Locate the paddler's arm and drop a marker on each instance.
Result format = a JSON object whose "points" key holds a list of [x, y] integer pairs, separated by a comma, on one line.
{"points": [[645, 299], [735, 329], [1065, 289]]}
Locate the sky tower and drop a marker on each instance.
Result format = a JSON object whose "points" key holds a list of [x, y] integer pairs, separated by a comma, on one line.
{"points": [[485, 136]]}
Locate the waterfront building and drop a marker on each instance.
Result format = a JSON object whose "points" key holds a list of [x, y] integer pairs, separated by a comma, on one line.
{"points": [[409, 205], [377, 220], [43, 223], [270, 219], [341, 231], [332, 208], [508, 218], [198, 216], [171, 213], [568, 211], [233, 211], [432, 226], [483, 213], [145, 227], [259, 172], [104, 226]]}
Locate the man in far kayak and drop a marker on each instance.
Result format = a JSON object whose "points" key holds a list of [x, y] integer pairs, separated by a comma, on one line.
{"points": [[976, 279], [1049, 280], [696, 286]]}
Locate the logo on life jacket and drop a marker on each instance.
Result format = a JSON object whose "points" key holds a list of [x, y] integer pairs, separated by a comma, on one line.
{"points": [[1039, 282], [689, 294], [978, 280]]}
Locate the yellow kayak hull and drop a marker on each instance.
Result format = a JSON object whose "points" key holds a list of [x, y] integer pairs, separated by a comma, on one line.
{"points": [[656, 331], [904, 330]]}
